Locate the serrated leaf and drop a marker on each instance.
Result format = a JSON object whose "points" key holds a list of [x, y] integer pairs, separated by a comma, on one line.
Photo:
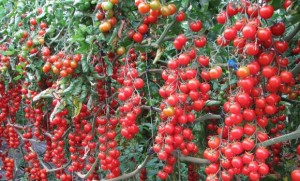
{"points": [[7, 53], [82, 27], [77, 89], [109, 68], [76, 106], [47, 93], [90, 39], [84, 92], [58, 108], [212, 103], [74, 85], [38, 75], [224, 86], [90, 102], [77, 38], [70, 89], [30, 76], [84, 65], [18, 77]]}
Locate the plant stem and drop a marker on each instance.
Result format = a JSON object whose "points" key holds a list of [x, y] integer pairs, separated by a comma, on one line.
{"points": [[290, 36], [295, 71], [279, 139]]}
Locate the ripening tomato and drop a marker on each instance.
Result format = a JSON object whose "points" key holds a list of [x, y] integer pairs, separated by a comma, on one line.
{"points": [[287, 3], [143, 28], [105, 26], [221, 17], [214, 142], [249, 31], [138, 37], [180, 17], [169, 111], [281, 46], [200, 42], [264, 34], [215, 72], [172, 8], [155, 5], [295, 175], [196, 26], [211, 155], [143, 8], [266, 11], [46, 67], [262, 153], [165, 11], [251, 48], [243, 72], [230, 33], [278, 29], [203, 60]]}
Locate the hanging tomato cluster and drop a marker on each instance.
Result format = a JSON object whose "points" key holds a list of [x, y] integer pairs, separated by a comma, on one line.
{"points": [[106, 15], [60, 64], [262, 80], [184, 95], [130, 108], [153, 11]]}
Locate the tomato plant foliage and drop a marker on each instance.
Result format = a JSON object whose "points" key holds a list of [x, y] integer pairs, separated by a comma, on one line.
{"points": [[149, 90]]}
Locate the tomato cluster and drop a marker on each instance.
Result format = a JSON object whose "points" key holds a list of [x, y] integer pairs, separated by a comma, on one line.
{"points": [[249, 109], [143, 174], [193, 175], [106, 15], [8, 165], [183, 95], [129, 95], [60, 64]]}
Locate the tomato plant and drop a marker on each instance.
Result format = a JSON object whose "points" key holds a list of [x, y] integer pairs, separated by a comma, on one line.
{"points": [[149, 90]]}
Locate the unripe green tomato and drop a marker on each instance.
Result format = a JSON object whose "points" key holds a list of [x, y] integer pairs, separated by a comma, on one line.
{"points": [[36, 41], [18, 35], [24, 48], [109, 13], [107, 5], [155, 5]]}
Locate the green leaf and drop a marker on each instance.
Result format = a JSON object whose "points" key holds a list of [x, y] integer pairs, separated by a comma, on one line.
{"points": [[18, 77], [84, 47], [84, 93], [76, 106], [82, 27], [77, 90], [109, 68], [212, 103], [58, 108], [204, 5], [90, 39], [47, 93], [7, 53], [84, 65], [276, 4], [70, 89], [77, 38]]}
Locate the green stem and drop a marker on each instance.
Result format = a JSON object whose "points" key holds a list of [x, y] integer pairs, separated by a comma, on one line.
{"points": [[290, 36], [279, 139]]}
